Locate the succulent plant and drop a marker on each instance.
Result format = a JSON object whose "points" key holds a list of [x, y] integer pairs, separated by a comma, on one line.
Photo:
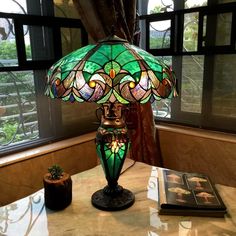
{"points": [[55, 171]]}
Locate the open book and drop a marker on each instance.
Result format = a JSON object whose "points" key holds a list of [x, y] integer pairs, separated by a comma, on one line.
{"points": [[183, 193]]}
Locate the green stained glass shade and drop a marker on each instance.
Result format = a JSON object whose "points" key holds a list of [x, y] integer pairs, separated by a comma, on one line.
{"points": [[110, 71]]}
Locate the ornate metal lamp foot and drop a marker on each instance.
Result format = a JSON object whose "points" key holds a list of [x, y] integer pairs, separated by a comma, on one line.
{"points": [[109, 199]]}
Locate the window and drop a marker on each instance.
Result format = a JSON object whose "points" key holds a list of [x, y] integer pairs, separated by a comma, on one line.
{"points": [[31, 39], [197, 38]]}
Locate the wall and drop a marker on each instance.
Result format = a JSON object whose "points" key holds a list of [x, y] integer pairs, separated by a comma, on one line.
{"points": [[194, 150], [21, 174]]}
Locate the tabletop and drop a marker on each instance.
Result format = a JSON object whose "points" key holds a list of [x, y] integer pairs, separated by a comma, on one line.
{"points": [[28, 216]]}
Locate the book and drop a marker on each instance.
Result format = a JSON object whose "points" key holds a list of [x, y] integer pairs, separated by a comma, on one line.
{"points": [[182, 193]]}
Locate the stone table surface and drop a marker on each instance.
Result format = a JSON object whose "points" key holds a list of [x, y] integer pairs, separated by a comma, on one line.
{"points": [[28, 216]]}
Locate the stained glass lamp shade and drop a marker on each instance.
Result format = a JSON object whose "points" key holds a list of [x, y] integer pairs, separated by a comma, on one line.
{"points": [[112, 73]]}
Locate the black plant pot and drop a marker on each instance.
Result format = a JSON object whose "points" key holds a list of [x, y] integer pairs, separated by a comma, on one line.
{"points": [[58, 193]]}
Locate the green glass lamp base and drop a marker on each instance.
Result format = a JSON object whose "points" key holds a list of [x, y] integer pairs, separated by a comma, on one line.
{"points": [[112, 202]]}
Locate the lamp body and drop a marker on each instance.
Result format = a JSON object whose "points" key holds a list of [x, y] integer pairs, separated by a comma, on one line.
{"points": [[113, 73], [112, 144]]}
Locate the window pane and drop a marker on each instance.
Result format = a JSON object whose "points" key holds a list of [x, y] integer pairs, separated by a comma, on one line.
{"points": [[65, 9], [223, 29], [39, 49], [224, 86], [204, 30], [192, 3], [8, 53], [190, 37], [225, 1], [160, 34], [162, 108], [18, 114], [10, 6], [191, 83], [157, 6], [71, 40], [80, 116]]}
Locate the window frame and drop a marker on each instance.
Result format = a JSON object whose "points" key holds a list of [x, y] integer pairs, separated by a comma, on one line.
{"points": [[49, 119], [205, 119]]}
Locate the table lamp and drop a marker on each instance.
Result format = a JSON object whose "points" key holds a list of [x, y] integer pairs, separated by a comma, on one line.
{"points": [[112, 73]]}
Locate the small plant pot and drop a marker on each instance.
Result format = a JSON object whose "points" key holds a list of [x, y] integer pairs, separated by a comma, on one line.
{"points": [[58, 193]]}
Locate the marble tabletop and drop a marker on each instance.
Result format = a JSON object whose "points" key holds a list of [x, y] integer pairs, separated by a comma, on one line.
{"points": [[29, 216]]}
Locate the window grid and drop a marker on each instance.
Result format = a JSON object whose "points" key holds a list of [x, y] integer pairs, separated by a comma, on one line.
{"points": [[206, 48], [44, 122]]}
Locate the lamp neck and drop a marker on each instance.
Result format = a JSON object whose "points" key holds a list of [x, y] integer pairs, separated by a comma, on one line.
{"points": [[112, 115]]}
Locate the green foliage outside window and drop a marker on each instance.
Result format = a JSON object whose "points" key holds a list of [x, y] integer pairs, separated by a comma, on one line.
{"points": [[8, 50], [8, 131], [10, 83]]}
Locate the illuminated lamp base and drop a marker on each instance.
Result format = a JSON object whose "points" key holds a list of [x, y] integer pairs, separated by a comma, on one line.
{"points": [[108, 199]]}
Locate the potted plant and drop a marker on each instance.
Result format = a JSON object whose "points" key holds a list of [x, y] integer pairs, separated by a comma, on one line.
{"points": [[58, 188]]}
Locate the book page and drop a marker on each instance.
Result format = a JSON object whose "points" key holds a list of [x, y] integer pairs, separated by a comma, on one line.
{"points": [[162, 195], [189, 190]]}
